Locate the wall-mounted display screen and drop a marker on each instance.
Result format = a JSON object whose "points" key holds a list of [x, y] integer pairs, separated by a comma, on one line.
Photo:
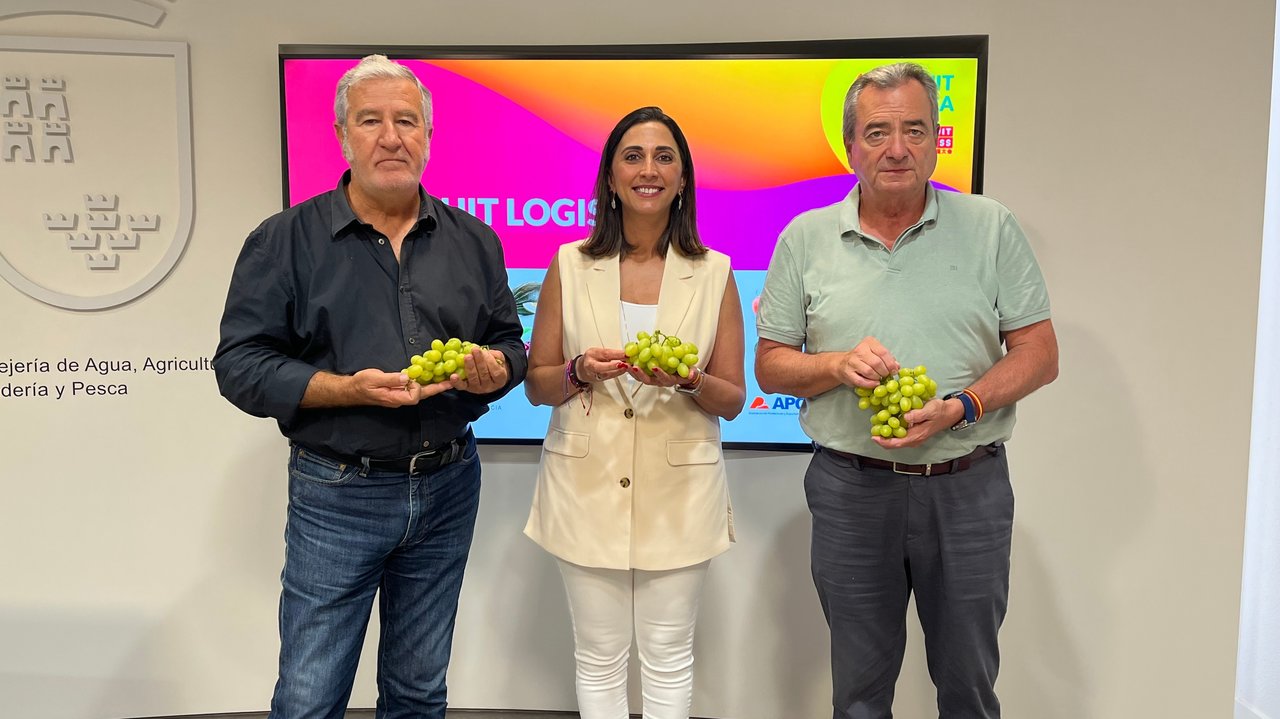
{"points": [[518, 132]]}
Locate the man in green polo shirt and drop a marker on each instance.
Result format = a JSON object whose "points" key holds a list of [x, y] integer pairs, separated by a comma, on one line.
{"points": [[899, 272]]}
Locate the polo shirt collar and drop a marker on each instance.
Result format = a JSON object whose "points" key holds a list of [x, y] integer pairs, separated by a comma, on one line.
{"points": [[341, 216], [849, 221]]}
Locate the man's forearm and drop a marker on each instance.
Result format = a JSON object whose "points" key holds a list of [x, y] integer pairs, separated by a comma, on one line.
{"points": [[783, 369], [1030, 363], [328, 390]]}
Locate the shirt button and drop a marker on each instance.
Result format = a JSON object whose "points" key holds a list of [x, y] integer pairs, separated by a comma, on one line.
{"points": [[426, 444], [629, 413], [625, 482], [404, 289], [382, 240], [413, 340]]}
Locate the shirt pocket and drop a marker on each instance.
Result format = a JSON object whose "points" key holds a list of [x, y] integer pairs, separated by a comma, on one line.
{"points": [[692, 451], [570, 444]]}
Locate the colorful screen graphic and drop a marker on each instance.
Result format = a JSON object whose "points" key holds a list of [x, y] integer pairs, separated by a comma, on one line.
{"points": [[517, 141]]}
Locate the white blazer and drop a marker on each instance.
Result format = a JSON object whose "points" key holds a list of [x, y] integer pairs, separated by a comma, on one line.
{"points": [[639, 482]]}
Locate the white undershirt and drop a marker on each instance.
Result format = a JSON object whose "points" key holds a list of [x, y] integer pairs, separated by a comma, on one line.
{"points": [[636, 318]]}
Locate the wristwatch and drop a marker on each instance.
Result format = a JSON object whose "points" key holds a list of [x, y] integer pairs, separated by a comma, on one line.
{"points": [[970, 412]]}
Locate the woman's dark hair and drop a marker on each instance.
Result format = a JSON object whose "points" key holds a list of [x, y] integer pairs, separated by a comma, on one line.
{"points": [[606, 238]]}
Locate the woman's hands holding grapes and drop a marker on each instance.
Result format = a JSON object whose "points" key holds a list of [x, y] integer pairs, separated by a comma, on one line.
{"points": [[599, 364]]}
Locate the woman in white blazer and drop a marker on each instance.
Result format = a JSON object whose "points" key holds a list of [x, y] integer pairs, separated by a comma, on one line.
{"points": [[631, 495]]}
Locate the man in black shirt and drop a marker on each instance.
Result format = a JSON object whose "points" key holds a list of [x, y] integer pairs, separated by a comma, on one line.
{"points": [[384, 479]]}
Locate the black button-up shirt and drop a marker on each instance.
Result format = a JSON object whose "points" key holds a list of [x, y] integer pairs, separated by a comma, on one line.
{"points": [[317, 289]]}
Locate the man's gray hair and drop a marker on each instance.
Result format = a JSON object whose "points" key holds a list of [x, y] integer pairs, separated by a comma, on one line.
{"points": [[887, 77], [369, 68]]}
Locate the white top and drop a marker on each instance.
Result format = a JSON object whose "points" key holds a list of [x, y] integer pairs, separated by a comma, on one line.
{"points": [[636, 318]]}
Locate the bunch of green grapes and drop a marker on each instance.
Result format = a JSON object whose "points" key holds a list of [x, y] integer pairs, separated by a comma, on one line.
{"points": [[895, 396], [440, 362], [656, 350]]}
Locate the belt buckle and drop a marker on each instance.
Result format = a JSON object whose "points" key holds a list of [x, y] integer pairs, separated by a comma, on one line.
{"points": [[413, 461], [928, 469]]}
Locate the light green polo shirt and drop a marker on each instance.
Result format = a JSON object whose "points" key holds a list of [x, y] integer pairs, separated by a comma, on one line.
{"points": [[952, 283]]}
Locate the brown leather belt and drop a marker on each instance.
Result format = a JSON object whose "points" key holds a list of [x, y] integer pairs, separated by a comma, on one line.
{"points": [[959, 464]]}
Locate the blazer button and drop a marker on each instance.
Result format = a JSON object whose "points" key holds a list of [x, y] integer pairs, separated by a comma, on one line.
{"points": [[625, 482], [629, 413]]}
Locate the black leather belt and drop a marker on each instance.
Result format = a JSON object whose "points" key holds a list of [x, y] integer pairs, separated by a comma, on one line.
{"points": [[959, 464], [420, 463]]}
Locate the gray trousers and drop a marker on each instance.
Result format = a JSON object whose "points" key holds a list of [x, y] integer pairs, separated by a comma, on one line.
{"points": [[878, 536]]}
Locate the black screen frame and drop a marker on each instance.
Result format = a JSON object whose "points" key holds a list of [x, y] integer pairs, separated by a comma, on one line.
{"points": [[939, 47]]}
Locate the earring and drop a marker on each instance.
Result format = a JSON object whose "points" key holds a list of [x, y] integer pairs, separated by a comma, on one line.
{"points": [[680, 201], [613, 201]]}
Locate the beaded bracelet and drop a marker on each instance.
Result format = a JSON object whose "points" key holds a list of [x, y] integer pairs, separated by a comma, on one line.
{"points": [[571, 374], [580, 388]]}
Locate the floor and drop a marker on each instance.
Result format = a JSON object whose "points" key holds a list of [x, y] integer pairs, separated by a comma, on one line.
{"points": [[369, 714]]}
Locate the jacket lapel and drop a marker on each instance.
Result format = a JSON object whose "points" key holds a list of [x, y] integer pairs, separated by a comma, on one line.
{"points": [[603, 289], [675, 298]]}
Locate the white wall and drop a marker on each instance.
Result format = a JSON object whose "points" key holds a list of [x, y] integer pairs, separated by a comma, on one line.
{"points": [[1258, 673], [141, 539]]}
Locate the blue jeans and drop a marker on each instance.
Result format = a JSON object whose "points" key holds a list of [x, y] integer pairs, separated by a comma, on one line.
{"points": [[352, 533]]}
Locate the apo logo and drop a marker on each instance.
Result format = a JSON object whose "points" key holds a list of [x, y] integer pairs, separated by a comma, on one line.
{"points": [[95, 149], [778, 403]]}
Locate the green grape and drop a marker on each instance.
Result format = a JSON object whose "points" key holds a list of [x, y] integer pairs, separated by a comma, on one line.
{"points": [[894, 422], [863, 403], [433, 355], [659, 351], [875, 430], [862, 392], [916, 403], [876, 402], [437, 345], [886, 431], [907, 380], [920, 370], [450, 366], [904, 372], [414, 371], [906, 390], [891, 386], [450, 355], [417, 359], [462, 373], [883, 415], [900, 432], [907, 403], [895, 398], [453, 343], [879, 391], [894, 408]]}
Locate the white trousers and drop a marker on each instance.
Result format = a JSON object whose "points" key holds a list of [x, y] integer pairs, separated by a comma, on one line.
{"points": [[606, 605]]}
